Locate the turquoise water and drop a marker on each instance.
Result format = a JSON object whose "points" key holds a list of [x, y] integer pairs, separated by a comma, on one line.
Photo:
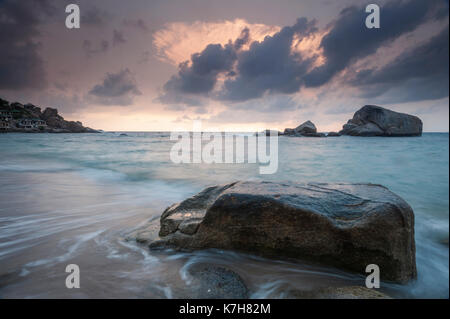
{"points": [[72, 198]]}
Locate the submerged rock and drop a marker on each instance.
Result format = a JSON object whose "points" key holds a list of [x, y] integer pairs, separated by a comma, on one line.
{"points": [[348, 226], [214, 282], [372, 120]]}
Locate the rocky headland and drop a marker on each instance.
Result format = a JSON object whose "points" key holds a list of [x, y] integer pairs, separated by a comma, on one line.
{"points": [[15, 117]]}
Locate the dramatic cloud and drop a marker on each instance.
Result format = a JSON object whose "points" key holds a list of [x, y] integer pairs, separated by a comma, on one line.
{"points": [[350, 40], [302, 56], [417, 74], [116, 89], [21, 65], [176, 41], [270, 66], [201, 75]]}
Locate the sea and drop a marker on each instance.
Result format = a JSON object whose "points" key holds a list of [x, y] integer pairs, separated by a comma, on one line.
{"points": [[75, 198]]}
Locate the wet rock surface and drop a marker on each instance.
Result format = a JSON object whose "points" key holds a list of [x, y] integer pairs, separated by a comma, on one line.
{"points": [[348, 226], [215, 282]]}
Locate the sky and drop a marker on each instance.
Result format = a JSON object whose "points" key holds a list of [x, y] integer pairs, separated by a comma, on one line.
{"points": [[236, 65]]}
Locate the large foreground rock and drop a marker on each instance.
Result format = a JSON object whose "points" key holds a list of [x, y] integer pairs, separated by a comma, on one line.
{"points": [[373, 120], [348, 226]]}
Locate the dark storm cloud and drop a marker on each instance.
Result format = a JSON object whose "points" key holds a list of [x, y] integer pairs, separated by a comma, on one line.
{"points": [[271, 66], [243, 39], [265, 66], [21, 65], [116, 89], [350, 40], [116, 84], [200, 76], [421, 71]]}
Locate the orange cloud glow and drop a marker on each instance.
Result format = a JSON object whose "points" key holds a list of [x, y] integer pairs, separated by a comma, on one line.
{"points": [[177, 41]]}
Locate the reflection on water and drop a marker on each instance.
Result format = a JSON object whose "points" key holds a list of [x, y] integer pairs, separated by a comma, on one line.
{"points": [[74, 198]]}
